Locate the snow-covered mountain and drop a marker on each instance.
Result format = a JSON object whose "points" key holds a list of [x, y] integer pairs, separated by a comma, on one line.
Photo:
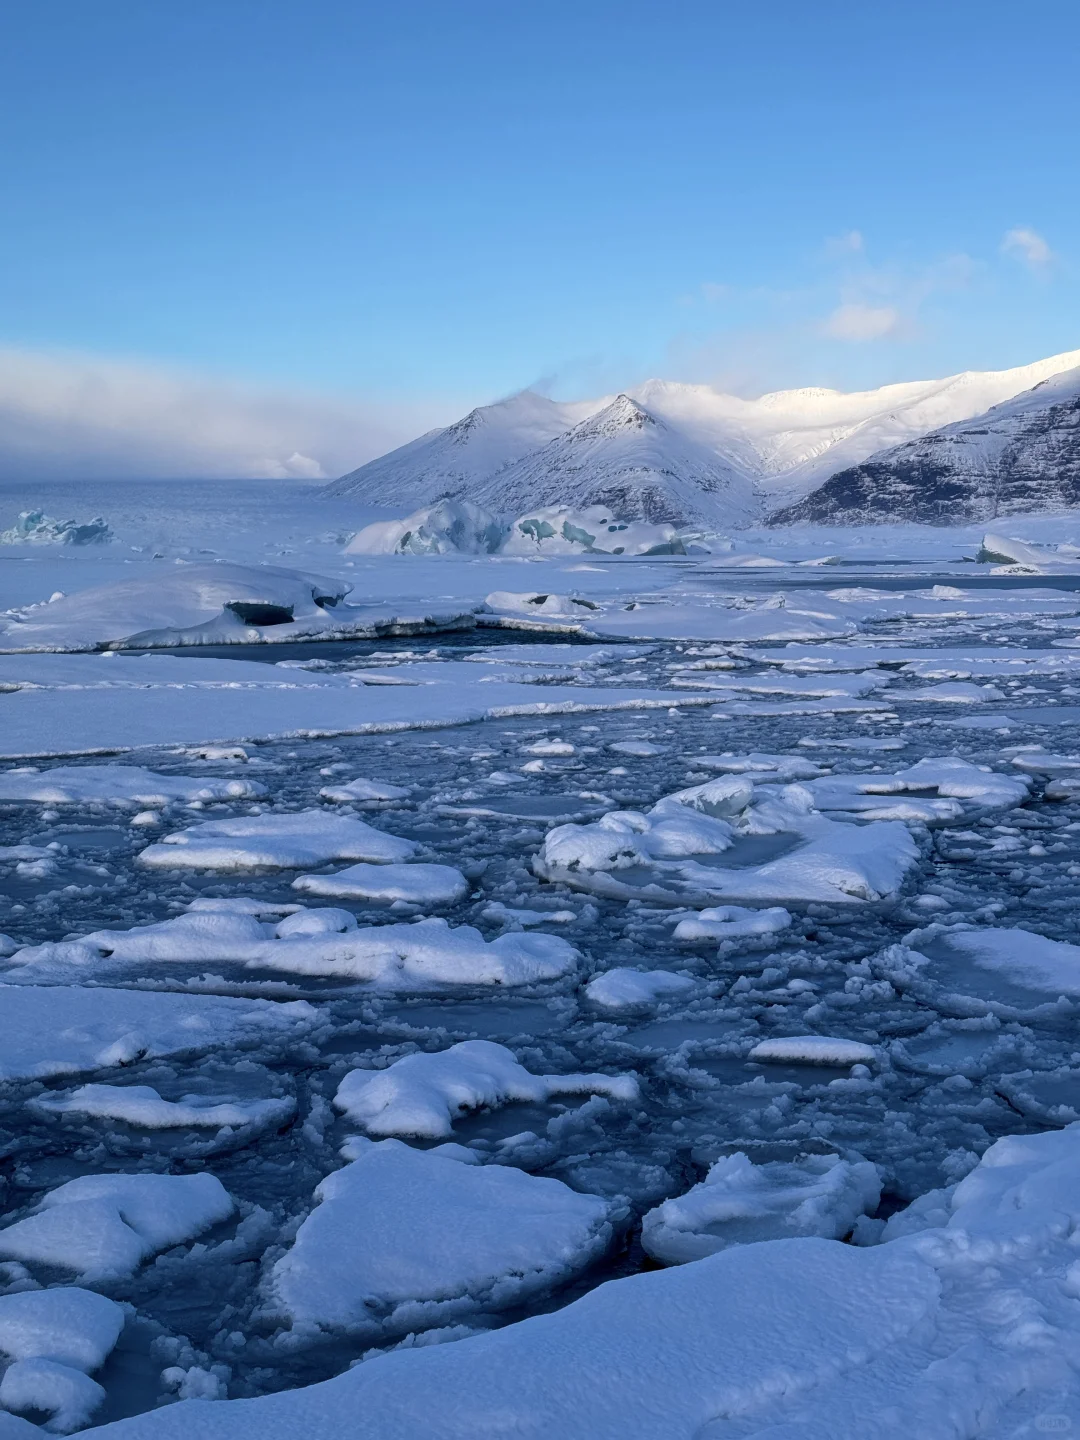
{"points": [[784, 444], [452, 461], [1020, 456], [631, 461]]}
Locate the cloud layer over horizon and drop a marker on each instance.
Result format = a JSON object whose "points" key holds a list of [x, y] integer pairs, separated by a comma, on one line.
{"points": [[75, 416]]}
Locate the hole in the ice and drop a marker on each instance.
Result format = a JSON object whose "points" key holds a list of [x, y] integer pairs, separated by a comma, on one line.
{"points": [[252, 612]]}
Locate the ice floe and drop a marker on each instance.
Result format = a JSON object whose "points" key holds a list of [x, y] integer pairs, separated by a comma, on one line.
{"points": [[295, 841], [124, 785], [664, 854], [142, 1105], [814, 1050], [62, 1030], [732, 922], [107, 1225], [623, 988], [740, 1202], [416, 884], [361, 791], [422, 1095], [402, 1240], [320, 943]]}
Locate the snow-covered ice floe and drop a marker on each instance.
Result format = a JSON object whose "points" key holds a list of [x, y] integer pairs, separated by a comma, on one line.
{"points": [[972, 970], [62, 1030], [666, 854], [931, 790], [422, 1095], [417, 884], [623, 988], [276, 841], [325, 943], [142, 1105], [121, 785], [733, 922], [372, 1258], [107, 1225], [739, 1202], [363, 792], [814, 1050]]}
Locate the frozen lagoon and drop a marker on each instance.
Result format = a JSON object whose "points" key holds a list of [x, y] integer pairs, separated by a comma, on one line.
{"points": [[936, 1042]]}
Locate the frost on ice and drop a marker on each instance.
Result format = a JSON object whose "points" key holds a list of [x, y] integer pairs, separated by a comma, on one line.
{"points": [[422, 1095]]}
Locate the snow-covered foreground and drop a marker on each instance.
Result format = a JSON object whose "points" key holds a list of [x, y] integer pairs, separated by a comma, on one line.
{"points": [[649, 1010]]}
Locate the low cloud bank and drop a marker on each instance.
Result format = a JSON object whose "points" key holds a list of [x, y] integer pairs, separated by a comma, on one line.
{"points": [[70, 416]]}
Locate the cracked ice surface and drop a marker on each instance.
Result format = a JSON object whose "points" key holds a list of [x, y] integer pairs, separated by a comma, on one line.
{"points": [[708, 936]]}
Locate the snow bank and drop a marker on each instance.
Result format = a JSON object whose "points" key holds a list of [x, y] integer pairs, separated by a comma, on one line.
{"points": [[61, 1030], [117, 785], [623, 988], [320, 943], [142, 1105], [418, 884], [448, 527], [739, 1202], [275, 842], [107, 1225], [34, 527], [404, 1239], [422, 1095]]}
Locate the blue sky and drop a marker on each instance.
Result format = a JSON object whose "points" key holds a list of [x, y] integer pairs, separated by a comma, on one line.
{"points": [[421, 206]]}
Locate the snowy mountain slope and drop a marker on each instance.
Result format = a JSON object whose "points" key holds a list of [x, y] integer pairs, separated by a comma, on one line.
{"points": [[1020, 456], [452, 460], [632, 461], [786, 442]]}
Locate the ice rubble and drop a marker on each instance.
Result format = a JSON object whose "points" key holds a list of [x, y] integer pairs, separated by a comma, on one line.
{"points": [[142, 1105], [277, 842], [433, 885], [34, 527], [319, 943], [623, 988], [106, 1225], [217, 604], [739, 1202], [62, 1030], [117, 785], [661, 855], [372, 1258], [422, 1095]]}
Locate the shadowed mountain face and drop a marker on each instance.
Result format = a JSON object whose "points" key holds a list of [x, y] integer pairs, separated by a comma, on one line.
{"points": [[1021, 456]]}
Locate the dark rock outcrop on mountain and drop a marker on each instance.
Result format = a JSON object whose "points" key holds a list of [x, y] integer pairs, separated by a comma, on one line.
{"points": [[1019, 457]]}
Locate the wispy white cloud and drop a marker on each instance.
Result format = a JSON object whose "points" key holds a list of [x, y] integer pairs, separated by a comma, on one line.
{"points": [[857, 322], [75, 416], [1027, 246], [851, 242]]}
